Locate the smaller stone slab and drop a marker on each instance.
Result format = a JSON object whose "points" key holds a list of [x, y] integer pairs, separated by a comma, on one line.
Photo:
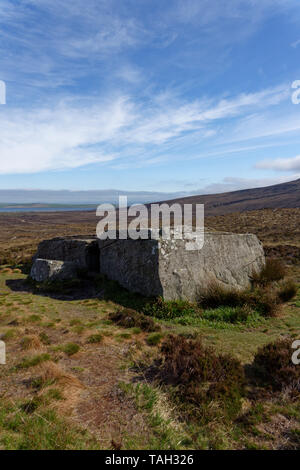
{"points": [[52, 270]]}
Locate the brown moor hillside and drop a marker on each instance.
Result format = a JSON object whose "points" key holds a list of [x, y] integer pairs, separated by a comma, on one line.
{"points": [[278, 196]]}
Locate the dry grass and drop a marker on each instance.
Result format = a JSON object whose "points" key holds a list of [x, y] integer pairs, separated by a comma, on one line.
{"points": [[51, 372], [68, 384], [22, 232], [287, 290], [264, 299], [274, 270], [85, 387], [215, 294], [278, 229], [31, 342]]}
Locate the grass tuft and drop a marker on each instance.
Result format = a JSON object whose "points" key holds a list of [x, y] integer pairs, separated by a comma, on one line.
{"points": [[33, 361], [70, 348], [274, 270], [129, 318], [216, 295], [170, 309], [287, 290], [30, 342], [154, 338], [264, 300], [96, 338]]}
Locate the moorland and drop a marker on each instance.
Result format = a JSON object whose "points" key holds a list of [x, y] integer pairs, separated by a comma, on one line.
{"points": [[90, 366]]}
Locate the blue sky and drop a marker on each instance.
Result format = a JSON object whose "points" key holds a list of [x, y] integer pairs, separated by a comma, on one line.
{"points": [[149, 95]]}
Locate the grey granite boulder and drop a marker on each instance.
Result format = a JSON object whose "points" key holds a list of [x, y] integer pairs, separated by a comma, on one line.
{"points": [[166, 268], [83, 251], [52, 270]]}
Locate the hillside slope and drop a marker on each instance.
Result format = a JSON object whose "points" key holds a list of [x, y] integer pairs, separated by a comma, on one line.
{"points": [[284, 195]]}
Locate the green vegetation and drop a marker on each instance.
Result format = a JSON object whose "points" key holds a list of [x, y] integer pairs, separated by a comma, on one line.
{"points": [[206, 387], [164, 432], [9, 334], [154, 338], [34, 318], [27, 427], [222, 380], [168, 310], [97, 338], [264, 300], [129, 318], [70, 348], [44, 338], [33, 361]]}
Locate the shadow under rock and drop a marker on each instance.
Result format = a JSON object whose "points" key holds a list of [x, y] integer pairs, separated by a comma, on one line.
{"points": [[84, 289]]}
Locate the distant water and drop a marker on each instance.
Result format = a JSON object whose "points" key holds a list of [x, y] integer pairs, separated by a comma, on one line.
{"points": [[46, 209]]}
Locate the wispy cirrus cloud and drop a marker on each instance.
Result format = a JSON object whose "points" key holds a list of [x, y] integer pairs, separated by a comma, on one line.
{"points": [[124, 84], [56, 44], [67, 135], [77, 132], [61, 42]]}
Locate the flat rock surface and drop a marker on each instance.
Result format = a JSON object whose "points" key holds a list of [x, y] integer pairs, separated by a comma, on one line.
{"points": [[52, 270], [167, 268], [80, 250]]}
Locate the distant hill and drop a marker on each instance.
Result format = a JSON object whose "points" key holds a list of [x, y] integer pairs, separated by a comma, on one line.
{"points": [[278, 196]]}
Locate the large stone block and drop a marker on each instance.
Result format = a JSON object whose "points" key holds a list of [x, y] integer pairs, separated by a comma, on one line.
{"points": [[52, 270], [83, 251], [166, 268]]}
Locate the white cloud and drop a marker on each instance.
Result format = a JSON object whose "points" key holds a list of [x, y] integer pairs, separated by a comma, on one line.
{"points": [[54, 43], [72, 133], [108, 37], [281, 164], [209, 12], [170, 118], [60, 41], [246, 101], [66, 136]]}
